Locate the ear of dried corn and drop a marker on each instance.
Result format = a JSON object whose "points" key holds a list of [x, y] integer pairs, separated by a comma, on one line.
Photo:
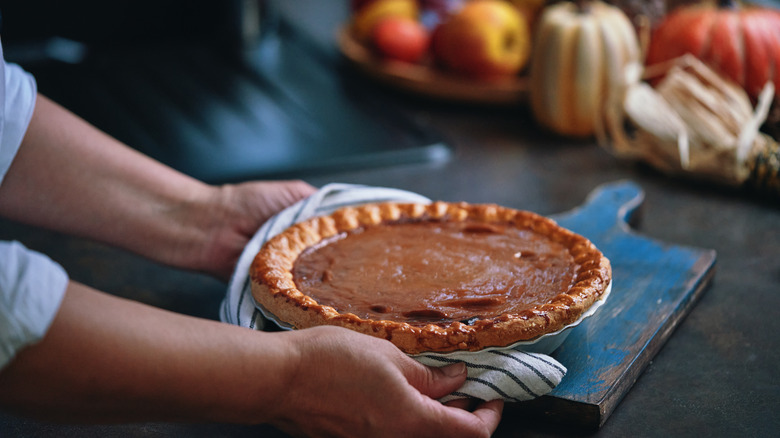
{"points": [[765, 170], [695, 123]]}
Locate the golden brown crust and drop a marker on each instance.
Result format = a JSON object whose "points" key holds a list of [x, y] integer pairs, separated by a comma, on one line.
{"points": [[273, 286]]}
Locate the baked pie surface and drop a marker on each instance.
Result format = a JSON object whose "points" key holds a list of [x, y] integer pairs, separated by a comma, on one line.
{"points": [[438, 277]]}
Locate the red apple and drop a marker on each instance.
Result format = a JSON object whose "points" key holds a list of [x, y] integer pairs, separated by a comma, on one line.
{"points": [[401, 38], [486, 39]]}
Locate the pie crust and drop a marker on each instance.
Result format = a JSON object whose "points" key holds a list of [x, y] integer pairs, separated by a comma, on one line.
{"points": [[274, 288]]}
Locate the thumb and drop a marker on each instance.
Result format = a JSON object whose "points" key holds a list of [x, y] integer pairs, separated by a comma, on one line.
{"points": [[438, 382]]}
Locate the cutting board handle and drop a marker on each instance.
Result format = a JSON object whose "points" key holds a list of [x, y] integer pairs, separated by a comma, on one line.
{"points": [[609, 208]]}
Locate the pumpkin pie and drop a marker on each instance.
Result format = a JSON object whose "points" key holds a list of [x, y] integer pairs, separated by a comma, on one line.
{"points": [[433, 277]]}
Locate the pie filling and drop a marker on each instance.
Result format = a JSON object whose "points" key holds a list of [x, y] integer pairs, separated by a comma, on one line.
{"points": [[435, 272]]}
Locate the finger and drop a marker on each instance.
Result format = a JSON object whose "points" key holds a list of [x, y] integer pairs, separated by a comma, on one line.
{"points": [[302, 189], [453, 421], [490, 413], [295, 190], [461, 403], [436, 382]]}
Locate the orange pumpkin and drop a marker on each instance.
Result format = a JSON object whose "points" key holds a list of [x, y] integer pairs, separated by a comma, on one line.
{"points": [[742, 43]]}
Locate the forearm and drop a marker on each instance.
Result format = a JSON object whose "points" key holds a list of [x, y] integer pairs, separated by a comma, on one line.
{"points": [[105, 359], [71, 177], [109, 359]]}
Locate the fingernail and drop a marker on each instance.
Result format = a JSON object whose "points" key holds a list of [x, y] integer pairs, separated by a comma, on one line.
{"points": [[454, 370]]}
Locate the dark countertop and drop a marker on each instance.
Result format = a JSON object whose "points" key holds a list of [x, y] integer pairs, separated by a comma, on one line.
{"points": [[716, 375]]}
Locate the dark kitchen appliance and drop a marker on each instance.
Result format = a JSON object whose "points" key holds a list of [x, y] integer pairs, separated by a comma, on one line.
{"points": [[221, 90]]}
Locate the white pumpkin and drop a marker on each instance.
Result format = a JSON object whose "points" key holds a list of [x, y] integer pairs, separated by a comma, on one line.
{"points": [[580, 51]]}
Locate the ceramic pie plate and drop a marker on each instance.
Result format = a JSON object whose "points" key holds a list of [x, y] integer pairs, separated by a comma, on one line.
{"points": [[544, 344], [426, 81]]}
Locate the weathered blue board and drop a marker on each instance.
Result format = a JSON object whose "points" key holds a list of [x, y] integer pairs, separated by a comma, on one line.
{"points": [[654, 285]]}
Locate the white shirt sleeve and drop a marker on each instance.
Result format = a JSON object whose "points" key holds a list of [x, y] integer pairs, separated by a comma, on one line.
{"points": [[17, 97], [31, 290], [31, 284]]}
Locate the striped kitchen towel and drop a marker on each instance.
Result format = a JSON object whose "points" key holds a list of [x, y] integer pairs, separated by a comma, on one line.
{"points": [[508, 374]]}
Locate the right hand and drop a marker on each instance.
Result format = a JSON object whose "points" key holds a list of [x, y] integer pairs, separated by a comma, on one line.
{"points": [[352, 385]]}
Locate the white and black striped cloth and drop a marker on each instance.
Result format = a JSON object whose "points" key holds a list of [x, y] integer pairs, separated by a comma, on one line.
{"points": [[507, 374]]}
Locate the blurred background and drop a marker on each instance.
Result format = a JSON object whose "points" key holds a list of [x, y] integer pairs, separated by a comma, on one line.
{"points": [[226, 90], [223, 91]]}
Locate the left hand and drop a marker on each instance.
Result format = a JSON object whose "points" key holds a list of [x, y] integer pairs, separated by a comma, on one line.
{"points": [[232, 215]]}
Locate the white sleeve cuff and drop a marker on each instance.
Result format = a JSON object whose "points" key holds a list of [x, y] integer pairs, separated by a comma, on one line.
{"points": [[31, 290], [17, 98]]}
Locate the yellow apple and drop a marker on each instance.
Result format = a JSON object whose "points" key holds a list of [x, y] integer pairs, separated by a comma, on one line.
{"points": [[369, 14], [485, 39]]}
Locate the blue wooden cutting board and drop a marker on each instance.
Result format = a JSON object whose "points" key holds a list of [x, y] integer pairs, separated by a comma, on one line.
{"points": [[655, 284]]}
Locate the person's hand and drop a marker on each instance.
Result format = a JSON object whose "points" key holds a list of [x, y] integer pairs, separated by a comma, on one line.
{"points": [[229, 217], [352, 385]]}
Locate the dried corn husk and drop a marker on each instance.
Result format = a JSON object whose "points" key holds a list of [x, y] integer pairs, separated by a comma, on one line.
{"points": [[693, 123]]}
